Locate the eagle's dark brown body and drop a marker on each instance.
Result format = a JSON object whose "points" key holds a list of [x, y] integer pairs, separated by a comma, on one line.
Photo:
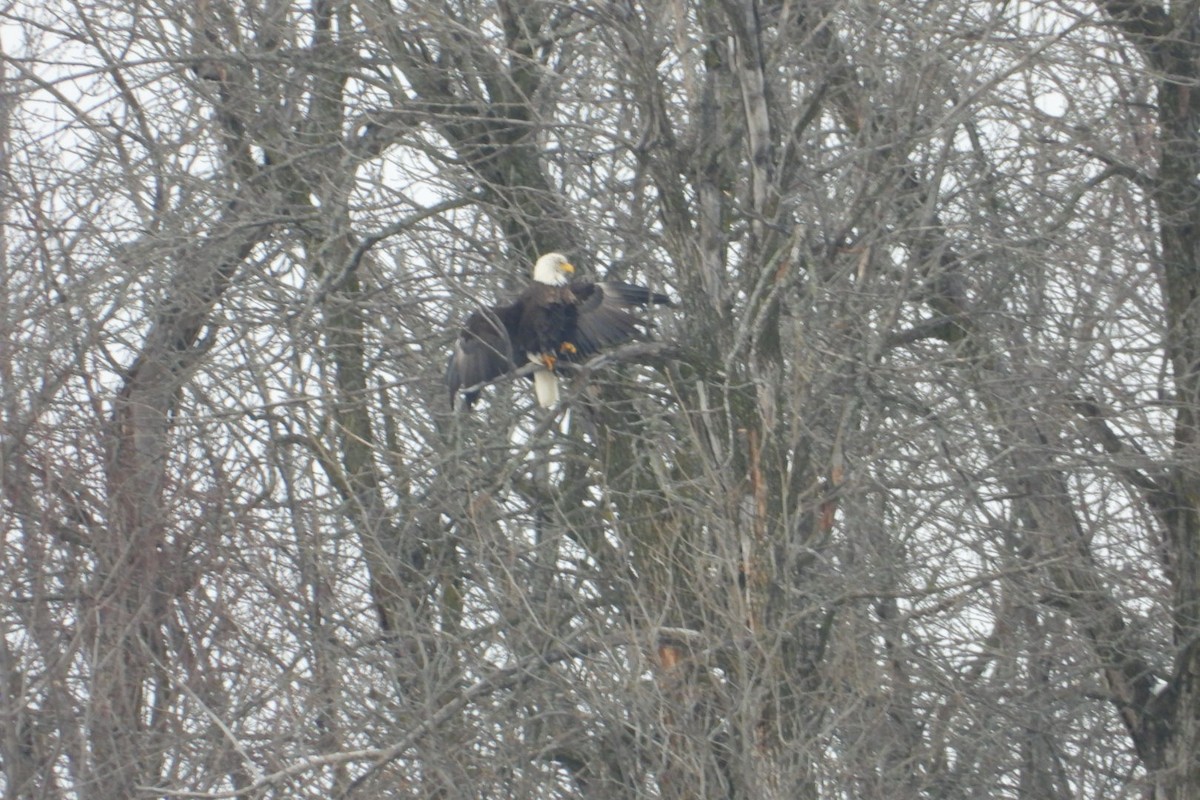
{"points": [[545, 323], [549, 317]]}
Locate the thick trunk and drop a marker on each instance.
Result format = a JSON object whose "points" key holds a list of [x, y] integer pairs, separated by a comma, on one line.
{"points": [[1178, 199], [136, 578]]}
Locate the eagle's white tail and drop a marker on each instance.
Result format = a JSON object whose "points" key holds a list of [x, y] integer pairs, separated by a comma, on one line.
{"points": [[545, 386]]}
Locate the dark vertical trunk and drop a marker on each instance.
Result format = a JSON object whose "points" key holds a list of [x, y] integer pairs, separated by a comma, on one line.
{"points": [[136, 577]]}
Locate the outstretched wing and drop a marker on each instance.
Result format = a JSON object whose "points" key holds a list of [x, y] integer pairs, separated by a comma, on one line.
{"points": [[483, 350], [603, 319]]}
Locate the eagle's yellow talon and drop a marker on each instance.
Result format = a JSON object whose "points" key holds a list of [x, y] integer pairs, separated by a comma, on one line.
{"points": [[567, 347], [549, 360]]}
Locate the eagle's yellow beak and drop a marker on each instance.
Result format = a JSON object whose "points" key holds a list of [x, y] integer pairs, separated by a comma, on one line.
{"points": [[568, 268]]}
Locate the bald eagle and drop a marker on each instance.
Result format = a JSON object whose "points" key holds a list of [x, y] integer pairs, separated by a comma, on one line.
{"points": [[554, 318]]}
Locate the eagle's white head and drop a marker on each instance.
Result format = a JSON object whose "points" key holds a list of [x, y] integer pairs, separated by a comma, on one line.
{"points": [[553, 268]]}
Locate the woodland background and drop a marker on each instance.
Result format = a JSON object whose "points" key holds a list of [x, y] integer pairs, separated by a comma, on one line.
{"points": [[902, 501]]}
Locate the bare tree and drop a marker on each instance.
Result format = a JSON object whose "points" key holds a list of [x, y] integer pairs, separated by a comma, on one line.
{"points": [[901, 502]]}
